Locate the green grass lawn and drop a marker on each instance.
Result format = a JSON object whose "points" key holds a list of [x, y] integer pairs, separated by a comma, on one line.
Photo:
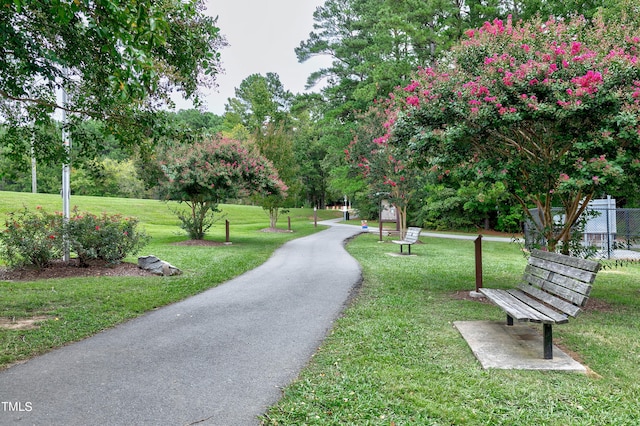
{"points": [[75, 308], [395, 358]]}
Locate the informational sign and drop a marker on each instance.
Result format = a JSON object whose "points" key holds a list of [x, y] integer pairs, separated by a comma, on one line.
{"points": [[388, 212]]}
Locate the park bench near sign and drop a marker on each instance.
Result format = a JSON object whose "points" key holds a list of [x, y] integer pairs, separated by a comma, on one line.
{"points": [[553, 288], [410, 238]]}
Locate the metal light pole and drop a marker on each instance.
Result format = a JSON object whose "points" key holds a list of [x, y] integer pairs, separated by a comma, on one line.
{"points": [[66, 175], [34, 174]]}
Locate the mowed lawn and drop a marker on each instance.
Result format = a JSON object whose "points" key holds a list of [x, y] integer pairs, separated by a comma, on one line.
{"points": [[395, 358], [74, 308]]}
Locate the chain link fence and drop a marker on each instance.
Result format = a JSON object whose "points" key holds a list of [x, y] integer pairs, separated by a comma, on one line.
{"points": [[603, 230]]}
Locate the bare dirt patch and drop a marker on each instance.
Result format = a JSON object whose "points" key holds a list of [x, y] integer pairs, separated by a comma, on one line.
{"points": [[275, 230], [203, 243], [22, 324]]}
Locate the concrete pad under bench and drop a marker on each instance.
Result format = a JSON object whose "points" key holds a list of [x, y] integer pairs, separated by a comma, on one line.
{"points": [[518, 347]]}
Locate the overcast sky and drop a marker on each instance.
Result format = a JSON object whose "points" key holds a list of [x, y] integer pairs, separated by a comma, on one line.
{"points": [[262, 36]]}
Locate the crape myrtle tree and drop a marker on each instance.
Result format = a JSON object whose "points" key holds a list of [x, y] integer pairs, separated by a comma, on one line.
{"points": [[206, 173], [117, 61], [551, 109], [387, 171], [375, 45]]}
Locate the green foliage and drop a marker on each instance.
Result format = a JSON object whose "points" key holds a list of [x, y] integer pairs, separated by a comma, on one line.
{"points": [[273, 205], [456, 203], [443, 209], [549, 109], [31, 238], [389, 173], [261, 113], [117, 61], [107, 237], [197, 222], [260, 100], [375, 44], [209, 172], [36, 238], [200, 122], [108, 178]]}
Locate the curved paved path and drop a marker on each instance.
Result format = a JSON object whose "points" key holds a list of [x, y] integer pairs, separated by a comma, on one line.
{"points": [[218, 358]]}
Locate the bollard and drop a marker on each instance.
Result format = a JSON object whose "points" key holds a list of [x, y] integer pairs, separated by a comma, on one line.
{"points": [[227, 239], [478, 244], [315, 217], [289, 222]]}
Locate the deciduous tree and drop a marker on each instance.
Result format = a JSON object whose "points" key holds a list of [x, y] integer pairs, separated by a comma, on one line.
{"points": [[387, 170], [116, 61], [549, 108], [206, 173]]}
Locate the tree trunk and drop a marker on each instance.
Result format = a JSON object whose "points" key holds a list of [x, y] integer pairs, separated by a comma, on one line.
{"points": [[402, 219], [554, 233]]}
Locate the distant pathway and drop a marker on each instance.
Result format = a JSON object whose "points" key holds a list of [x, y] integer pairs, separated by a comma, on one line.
{"points": [[218, 358]]}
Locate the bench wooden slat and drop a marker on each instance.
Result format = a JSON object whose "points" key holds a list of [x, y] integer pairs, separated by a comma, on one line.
{"points": [[561, 305], [587, 265], [514, 307], [411, 237], [557, 290], [557, 317], [578, 274], [574, 285]]}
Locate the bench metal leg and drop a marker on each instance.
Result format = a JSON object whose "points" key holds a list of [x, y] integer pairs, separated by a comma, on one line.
{"points": [[548, 341], [509, 320]]}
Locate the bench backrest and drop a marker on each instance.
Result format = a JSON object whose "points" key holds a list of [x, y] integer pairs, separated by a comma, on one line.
{"points": [[563, 282], [412, 234]]}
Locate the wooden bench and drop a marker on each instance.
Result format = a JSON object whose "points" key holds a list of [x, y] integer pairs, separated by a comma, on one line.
{"points": [[554, 287], [410, 238]]}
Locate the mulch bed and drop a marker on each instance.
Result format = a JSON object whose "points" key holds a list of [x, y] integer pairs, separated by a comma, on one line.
{"points": [[60, 269]]}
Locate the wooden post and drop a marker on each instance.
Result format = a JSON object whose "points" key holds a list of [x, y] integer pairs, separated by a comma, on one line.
{"points": [[478, 244], [227, 240], [289, 222]]}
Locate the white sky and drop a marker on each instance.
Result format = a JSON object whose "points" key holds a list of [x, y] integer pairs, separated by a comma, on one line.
{"points": [[262, 36]]}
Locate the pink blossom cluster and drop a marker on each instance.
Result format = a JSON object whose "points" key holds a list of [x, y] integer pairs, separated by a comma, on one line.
{"points": [[588, 83]]}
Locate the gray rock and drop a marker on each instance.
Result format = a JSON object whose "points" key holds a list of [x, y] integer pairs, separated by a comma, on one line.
{"points": [[156, 266]]}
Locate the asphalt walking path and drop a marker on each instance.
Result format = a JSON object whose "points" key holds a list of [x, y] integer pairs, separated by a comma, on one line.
{"points": [[218, 358]]}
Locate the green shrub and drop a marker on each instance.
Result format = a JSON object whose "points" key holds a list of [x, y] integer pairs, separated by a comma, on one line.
{"points": [[31, 238], [198, 219], [107, 237], [36, 238]]}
